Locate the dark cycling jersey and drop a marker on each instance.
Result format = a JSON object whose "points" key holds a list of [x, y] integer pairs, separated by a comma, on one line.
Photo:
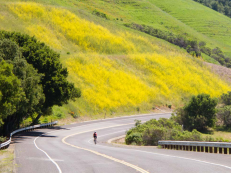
{"points": [[95, 135]]}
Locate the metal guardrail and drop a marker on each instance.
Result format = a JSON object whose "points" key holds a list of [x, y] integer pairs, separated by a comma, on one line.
{"points": [[208, 147], [7, 143]]}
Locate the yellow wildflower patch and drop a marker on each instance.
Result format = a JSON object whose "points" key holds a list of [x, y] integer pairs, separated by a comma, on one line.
{"points": [[45, 35], [85, 34]]}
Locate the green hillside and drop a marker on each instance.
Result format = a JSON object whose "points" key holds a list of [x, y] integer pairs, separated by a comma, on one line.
{"points": [[117, 68]]}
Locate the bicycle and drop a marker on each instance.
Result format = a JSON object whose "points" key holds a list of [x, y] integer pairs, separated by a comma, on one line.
{"points": [[95, 140]]}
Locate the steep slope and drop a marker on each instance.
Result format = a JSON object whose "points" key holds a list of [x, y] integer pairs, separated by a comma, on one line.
{"points": [[117, 69]]}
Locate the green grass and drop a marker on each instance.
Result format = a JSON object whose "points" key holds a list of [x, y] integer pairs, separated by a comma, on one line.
{"points": [[209, 59], [219, 135]]}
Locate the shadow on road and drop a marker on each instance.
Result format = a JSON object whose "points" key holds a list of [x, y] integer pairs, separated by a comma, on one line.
{"points": [[21, 137]]}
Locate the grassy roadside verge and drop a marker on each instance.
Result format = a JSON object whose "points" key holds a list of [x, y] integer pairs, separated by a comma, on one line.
{"points": [[65, 117], [219, 133], [7, 160]]}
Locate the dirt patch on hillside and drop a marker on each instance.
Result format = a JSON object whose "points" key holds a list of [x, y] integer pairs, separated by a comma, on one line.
{"points": [[223, 72]]}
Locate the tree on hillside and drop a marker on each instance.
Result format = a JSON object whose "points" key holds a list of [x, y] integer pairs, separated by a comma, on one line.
{"points": [[43, 79], [199, 113], [55, 85], [33, 96], [10, 91]]}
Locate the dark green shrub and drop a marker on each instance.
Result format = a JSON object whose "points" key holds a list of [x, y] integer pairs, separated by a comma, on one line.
{"points": [[138, 109], [153, 135], [199, 113], [100, 14], [138, 122], [226, 98], [150, 132], [134, 138], [224, 114]]}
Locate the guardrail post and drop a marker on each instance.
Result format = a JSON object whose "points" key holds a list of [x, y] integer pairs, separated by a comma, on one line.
{"points": [[206, 149], [194, 148], [191, 148], [187, 148], [220, 150], [202, 149], [210, 149], [225, 151]]}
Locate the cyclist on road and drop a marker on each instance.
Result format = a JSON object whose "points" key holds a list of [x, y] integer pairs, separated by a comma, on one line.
{"points": [[95, 137]]}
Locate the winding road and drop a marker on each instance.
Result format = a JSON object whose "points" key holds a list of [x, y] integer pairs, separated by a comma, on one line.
{"points": [[70, 149]]}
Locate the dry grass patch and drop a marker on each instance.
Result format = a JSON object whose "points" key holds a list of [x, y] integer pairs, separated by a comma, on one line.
{"points": [[219, 135], [7, 160], [223, 72]]}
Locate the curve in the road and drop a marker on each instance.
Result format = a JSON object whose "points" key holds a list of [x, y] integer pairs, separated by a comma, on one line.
{"points": [[77, 153], [130, 165], [103, 155]]}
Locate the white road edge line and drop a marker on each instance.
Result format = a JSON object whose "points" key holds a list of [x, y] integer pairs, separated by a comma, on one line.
{"points": [[60, 171], [185, 158]]}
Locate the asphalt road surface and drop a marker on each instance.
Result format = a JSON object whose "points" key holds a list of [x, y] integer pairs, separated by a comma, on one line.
{"points": [[70, 149]]}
